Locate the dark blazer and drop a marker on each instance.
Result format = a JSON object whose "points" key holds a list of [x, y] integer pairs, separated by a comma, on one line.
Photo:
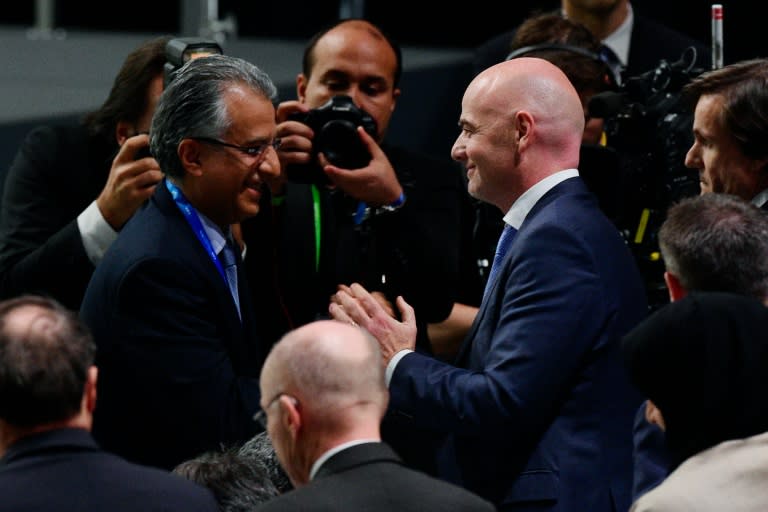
{"points": [[423, 250], [371, 477], [57, 173], [415, 248], [63, 470], [538, 410], [178, 371], [649, 43], [651, 460]]}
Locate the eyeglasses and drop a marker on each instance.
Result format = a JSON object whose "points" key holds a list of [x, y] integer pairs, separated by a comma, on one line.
{"points": [[251, 151], [261, 416]]}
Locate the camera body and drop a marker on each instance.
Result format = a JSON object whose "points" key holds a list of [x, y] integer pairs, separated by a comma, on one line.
{"points": [[335, 125]]}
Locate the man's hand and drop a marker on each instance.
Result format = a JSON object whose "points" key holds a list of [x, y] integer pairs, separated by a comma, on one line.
{"points": [[376, 184], [129, 184], [355, 305], [296, 146]]}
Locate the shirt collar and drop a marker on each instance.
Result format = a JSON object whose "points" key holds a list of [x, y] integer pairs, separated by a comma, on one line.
{"points": [[520, 208], [333, 451], [217, 238], [619, 39]]}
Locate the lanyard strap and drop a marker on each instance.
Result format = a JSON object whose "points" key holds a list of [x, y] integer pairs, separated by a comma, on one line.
{"points": [[189, 213]]}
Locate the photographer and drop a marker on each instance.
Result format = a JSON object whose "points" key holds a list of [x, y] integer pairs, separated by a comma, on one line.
{"points": [[392, 223], [392, 220], [71, 187]]}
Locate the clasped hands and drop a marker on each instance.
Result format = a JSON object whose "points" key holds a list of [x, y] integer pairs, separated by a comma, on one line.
{"points": [[357, 306]]}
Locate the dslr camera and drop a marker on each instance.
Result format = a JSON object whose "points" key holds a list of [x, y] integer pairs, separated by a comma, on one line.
{"points": [[335, 125]]}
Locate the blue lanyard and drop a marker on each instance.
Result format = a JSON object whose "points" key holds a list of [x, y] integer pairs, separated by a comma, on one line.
{"points": [[194, 221]]}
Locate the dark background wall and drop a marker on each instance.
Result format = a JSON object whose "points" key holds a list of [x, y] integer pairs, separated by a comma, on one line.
{"points": [[412, 23]]}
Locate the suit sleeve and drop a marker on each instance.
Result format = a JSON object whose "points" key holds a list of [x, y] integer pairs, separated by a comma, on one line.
{"points": [[40, 246], [535, 343]]}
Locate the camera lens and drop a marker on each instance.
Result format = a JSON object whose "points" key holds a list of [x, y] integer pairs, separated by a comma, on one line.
{"points": [[339, 142]]}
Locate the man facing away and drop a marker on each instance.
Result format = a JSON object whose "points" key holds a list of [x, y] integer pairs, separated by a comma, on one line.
{"points": [[323, 398], [48, 459], [536, 411]]}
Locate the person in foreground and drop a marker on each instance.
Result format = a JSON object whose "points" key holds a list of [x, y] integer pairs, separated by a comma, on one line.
{"points": [[711, 242], [48, 459], [701, 363], [537, 409], [323, 398], [171, 312]]}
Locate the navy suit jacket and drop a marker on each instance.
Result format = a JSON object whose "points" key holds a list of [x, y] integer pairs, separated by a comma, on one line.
{"points": [[538, 408], [371, 477], [64, 470], [178, 371]]}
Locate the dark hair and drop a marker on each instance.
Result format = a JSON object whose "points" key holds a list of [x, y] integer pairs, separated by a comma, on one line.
{"points": [[744, 89], [193, 104], [128, 99], [568, 45], [260, 449], [717, 242], [238, 483], [308, 61], [43, 364]]}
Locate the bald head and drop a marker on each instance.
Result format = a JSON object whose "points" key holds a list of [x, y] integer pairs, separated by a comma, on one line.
{"points": [[521, 121], [536, 86], [329, 366]]}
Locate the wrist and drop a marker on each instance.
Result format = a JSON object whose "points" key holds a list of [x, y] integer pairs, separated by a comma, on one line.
{"points": [[394, 205]]}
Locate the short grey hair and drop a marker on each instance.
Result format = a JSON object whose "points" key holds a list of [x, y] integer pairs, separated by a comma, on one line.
{"points": [[193, 104]]}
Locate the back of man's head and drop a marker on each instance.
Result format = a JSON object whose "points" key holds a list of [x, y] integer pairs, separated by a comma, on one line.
{"points": [[334, 370], [717, 242], [45, 356]]}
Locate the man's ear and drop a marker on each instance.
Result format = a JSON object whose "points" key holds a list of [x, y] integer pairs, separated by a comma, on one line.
{"points": [[290, 416], [653, 415], [189, 155], [123, 131], [90, 389], [301, 87], [676, 290]]}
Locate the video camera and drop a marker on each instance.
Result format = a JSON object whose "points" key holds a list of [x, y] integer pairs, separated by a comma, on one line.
{"points": [[335, 125], [650, 127]]}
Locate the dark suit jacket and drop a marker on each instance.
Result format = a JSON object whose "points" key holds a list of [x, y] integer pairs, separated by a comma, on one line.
{"points": [[650, 42], [415, 248], [538, 409], [56, 174], [371, 477], [177, 369], [651, 459], [63, 470]]}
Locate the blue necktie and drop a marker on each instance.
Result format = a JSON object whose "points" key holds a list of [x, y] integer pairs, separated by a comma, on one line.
{"points": [[505, 240], [229, 262]]}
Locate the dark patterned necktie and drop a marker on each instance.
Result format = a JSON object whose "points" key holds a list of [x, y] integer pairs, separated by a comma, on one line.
{"points": [[505, 240], [229, 262]]}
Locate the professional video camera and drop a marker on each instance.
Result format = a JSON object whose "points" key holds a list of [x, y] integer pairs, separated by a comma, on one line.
{"points": [[650, 127], [335, 125]]}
